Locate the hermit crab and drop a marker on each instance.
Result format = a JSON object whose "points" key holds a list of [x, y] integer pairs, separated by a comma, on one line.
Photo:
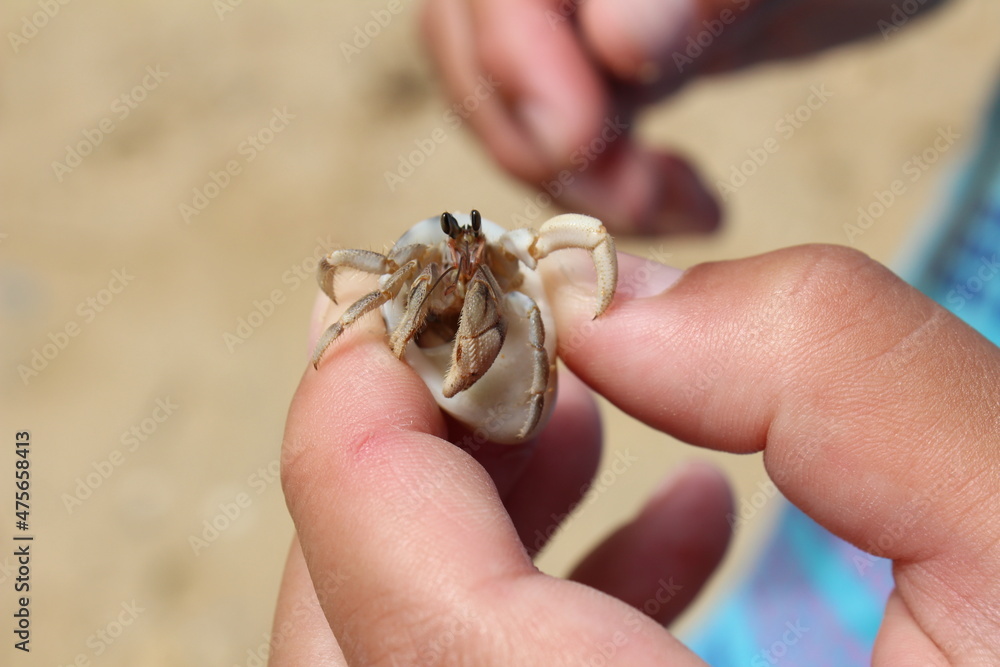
{"points": [[462, 302]]}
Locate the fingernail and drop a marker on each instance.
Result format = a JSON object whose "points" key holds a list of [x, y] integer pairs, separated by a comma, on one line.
{"points": [[648, 279], [570, 275]]}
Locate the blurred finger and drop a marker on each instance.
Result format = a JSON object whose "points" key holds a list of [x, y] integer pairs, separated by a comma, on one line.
{"points": [[633, 190], [543, 109], [659, 561], [548, 98], [560, 471]]}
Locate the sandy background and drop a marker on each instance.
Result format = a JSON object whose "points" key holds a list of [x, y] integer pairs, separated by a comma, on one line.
{"points": [[155, 333]]}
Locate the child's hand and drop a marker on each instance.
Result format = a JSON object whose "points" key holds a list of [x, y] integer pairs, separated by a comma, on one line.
{"points": [[877, 411], [552, 86]]}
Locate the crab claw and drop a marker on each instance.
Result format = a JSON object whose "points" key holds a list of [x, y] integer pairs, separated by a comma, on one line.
{"points": [[481, 332], [570, 230]]}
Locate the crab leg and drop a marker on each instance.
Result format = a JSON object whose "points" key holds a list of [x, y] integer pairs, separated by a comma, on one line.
{"points": [[366, 261], [539, 361], [417, 303], [359, 260], [365, 304], [480, 335], [570, 230]]}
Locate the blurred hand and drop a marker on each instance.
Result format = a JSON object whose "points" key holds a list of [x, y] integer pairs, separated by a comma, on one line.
{"points": [[568, 77], [877, 411]]}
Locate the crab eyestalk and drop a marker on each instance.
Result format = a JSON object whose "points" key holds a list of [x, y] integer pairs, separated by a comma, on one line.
{"points": [[466, 244], [449, 225]]}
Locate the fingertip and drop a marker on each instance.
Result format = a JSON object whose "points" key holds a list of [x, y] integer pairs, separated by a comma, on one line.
{"points": [[667, 552], [571, 282], [684, 203], [321, 306], [693, 477], [641, 192]]}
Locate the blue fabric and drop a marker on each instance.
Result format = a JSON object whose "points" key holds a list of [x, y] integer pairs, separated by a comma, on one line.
{"points": [[814, 599], [958, 268]]}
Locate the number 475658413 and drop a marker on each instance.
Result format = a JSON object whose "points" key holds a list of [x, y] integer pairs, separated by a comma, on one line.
{"points": [[22, 476]]}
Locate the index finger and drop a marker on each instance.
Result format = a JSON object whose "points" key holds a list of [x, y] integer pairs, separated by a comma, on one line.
{"points": [[407, 540], [376, 493]]}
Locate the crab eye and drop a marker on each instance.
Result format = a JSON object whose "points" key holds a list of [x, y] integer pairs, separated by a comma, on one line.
{"points": [[449, 225], [477, 221]]}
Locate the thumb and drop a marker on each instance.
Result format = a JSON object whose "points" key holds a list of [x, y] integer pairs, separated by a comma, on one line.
{"points": [[877, 411]]}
